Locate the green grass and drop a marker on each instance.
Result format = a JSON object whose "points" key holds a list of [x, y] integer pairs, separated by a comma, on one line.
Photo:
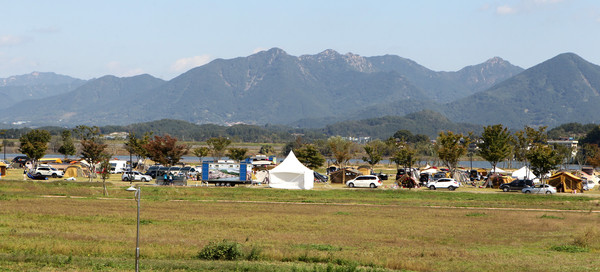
{"points": [[279, 230]]}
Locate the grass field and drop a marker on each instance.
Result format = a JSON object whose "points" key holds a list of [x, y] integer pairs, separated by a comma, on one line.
{"points": [[71, 226]]}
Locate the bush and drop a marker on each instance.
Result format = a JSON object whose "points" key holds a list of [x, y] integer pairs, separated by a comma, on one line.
{"points": [[224, 250]]}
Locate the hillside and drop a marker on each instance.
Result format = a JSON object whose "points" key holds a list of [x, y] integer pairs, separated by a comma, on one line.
{"points": [[35, 85], [269, 87], [102, 101], [563, 89]]}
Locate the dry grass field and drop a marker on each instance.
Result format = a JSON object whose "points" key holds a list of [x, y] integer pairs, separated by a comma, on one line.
{"points": [[70, 226]]}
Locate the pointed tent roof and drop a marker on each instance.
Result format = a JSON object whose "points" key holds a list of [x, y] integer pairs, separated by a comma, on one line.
{"points": [[291, 164], [291, 174]]}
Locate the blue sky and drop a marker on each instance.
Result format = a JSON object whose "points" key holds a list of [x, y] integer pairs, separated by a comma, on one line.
{"points": [[89, 39]]}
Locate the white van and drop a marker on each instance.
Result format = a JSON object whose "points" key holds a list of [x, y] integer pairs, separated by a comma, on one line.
{"points": [[117, 166]]}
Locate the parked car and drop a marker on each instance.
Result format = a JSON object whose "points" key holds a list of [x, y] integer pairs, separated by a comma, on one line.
{"points": [[320, 178], [540, 189], [516, 185], [449, 183], [48, 171], [135, 176], [364, 181]]}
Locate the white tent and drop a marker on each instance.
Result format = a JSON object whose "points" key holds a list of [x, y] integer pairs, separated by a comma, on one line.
{"points": [[497, 170], [291, 174], [523, 173]]}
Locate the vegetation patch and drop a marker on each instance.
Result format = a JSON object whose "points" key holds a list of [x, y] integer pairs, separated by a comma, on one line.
{"points": [[476, 214], [570, 249], [228, 251], [545, 216], [319, 247]]}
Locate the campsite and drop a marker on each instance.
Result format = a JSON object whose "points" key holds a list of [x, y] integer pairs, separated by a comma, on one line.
{"points": [[70, 226]]}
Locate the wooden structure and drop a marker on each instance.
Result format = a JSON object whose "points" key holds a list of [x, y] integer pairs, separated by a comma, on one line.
{"points": [[343, 175]]}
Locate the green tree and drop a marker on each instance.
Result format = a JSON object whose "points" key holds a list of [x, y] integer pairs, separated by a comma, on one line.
{"points": [[218, 145], [405, 155], [495, 144], [92, 147], [310, 156], [543, 159], [374, 150], [266, 150], [68, 147], [137, 146], [165, 150], [450, 147], [34, 144], [200, 152], [237, 153], [342, 150]]}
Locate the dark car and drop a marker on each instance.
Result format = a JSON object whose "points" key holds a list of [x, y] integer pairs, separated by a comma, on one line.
{"points": [[319, 177], [516, 185]]}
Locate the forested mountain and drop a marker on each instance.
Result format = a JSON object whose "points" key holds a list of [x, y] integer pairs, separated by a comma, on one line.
{"points": [[267, 87], [102, 101], [35, 85], [563, 89]]}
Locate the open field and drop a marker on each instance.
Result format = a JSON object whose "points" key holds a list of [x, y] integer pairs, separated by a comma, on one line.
{"points": [[70, 226]]}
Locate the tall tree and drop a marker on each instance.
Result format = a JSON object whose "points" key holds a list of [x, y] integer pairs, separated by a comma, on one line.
{"points": [[450, 147], [165, 150], [105, 171], [310, 156], [34, 144], [200, 152], [405, 155], [495, 144], [68, 147], [237, 153], [374, 151], [543, 159], [137, 146], [342, 150], [218, 146], [92, 147]]}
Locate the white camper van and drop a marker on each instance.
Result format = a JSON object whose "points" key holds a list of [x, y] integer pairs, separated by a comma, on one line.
{"points": [[117, 166]]}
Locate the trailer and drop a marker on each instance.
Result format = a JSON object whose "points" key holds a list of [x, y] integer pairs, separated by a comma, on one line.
{"points": [[225, 173]]}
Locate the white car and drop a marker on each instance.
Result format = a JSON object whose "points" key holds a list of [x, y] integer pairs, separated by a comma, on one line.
{"points": [[135, 176], [48, 171], [540, 189], [449, 183], [364, 181]]}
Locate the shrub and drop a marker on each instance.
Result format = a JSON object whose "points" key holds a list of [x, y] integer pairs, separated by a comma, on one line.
{"points": [[570, 248], [590, 238], [224, 250]]}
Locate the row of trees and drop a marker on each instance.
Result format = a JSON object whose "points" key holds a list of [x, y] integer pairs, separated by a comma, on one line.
{"points": [[496, 144]]}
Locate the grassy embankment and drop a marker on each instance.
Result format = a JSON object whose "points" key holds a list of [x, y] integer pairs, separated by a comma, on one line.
{"points": [[57, 225]]}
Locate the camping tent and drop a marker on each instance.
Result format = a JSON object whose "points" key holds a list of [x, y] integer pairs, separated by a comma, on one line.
{"points": [[291, 174], [2, 169], [523, 173], [497, 170], [75, 171], [566, 182]]}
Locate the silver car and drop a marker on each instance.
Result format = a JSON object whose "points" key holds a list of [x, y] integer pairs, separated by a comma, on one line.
{"points": [[540, 189], [135, 176]]}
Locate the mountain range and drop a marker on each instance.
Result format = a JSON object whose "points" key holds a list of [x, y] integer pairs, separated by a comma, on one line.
{"points": [[273, 87]]}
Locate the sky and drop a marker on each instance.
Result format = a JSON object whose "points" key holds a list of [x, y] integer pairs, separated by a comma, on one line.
{"points": [[90, 39]]}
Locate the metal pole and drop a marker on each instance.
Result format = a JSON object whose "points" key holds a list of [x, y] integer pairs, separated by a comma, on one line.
{"points": [[138, 194]]}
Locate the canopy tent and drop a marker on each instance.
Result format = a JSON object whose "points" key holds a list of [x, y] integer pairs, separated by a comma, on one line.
{"points": [[291, 174], [523, 173]]}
